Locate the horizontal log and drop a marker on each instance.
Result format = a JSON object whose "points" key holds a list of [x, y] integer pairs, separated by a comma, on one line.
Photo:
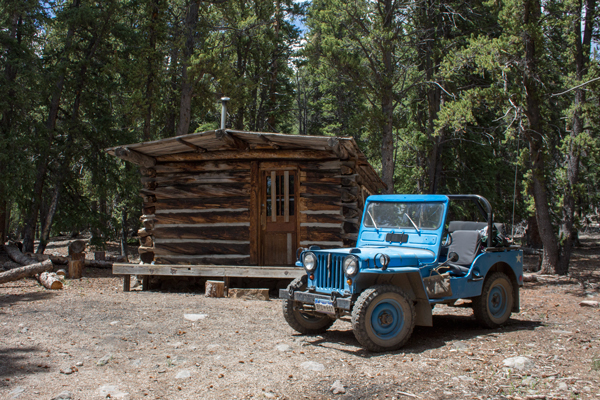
{"points": [[174, 167], [98, 264], [350, 236], [135, 157], [320, 203], [149, 210], [148, 172], [15, 254], [183, 248], [25, 271], [214, 260], [149, 224], [320, 166], [203, 218], [203, 203], [320, 234], [49, 280], [195, 191], [346, 170], [149, 185], [318, 189], [8, 265], [218, 233], [321, 218], [245, 271], [146, 241], [142, 250], [350, 227], [250, 155], [144, 232], [211, 177]]}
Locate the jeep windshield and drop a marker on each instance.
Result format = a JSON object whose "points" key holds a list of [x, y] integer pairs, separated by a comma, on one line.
{"points": [[395, 215]]}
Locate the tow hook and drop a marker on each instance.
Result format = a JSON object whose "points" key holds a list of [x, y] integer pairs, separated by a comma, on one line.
{"points": [[334, 296]]}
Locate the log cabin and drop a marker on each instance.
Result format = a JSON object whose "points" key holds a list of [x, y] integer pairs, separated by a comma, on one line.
{"points": [[237, 198]]}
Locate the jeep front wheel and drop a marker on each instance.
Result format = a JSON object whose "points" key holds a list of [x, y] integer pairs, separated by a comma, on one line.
{"points": [[383, 318], [308, 324], [494, 306]]}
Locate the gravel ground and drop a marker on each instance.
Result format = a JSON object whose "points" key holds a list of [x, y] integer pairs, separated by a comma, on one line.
{"points": [[95, 341]]}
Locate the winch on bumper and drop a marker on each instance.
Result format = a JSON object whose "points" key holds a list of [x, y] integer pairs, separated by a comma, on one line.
{"points": [[323, 303]]}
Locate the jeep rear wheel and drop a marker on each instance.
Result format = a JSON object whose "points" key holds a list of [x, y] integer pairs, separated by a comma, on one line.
{"points": [[494, 306], [308, 324], [383, 318]]}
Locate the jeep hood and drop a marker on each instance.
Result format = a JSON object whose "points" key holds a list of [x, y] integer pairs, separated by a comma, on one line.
{"points": [[399, 256]]}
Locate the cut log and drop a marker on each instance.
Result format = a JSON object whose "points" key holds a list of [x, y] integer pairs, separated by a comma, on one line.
{"points": [[49, 280], [97, 263], [61, 272], [38, 257], [135, 157], [144, 232], [59, 260], [214, 289], [77, 246], [76, 265], [28, 270]]}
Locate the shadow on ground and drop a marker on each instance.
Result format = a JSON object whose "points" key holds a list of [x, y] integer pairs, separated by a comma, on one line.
{"points": [[12, 299], [445, 329], [13, 362]]}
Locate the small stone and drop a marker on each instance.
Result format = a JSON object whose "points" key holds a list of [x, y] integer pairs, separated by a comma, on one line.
{"points": [[183, 374], [79, 364], [66, 395], [112, 392], [269, 395], [460, 346], [283, 347], [114, 323], [312, 366], [338, 388], [104, 360], [562, 332], [563, 386], [528, 381], [520, 363], [16, 392], [194, 317], [249, 294], [66, 371], [589, 303]]}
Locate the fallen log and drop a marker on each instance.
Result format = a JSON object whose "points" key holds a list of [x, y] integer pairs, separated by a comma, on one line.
{"points": [[98, 264], [59, 260], [23, 272], [49, 280], [8, 265], [15, 254]]}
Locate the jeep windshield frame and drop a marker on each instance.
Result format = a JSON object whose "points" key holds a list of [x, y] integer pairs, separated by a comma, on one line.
{"points": [[404, 215]]}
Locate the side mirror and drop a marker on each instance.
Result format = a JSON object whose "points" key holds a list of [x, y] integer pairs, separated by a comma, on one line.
{"points": [[452, 257]]}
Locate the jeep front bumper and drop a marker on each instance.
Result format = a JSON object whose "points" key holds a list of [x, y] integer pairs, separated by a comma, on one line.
{"points": [[344, 303]]}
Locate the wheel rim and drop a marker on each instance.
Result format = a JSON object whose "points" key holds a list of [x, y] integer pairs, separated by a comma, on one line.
{"points": [[387, 319], [497, 301]]}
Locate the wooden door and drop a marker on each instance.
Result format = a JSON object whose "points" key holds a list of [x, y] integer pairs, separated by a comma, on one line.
{"points": [[278, 216]]}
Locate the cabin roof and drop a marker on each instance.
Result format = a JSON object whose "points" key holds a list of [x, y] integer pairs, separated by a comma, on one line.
{"points": [[344, 148]]}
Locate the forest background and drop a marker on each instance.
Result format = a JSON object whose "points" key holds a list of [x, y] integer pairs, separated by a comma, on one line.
{"points": [[498, 98]]}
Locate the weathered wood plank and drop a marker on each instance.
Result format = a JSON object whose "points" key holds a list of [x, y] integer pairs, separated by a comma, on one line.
{"points": [[320, 203], [212, 177], [254, 213], [320, 234], [232, 271], [184, 248], [201, 203], [195, 191], [215, 260], [174, 167], [216, 232], [320, 166], [203, 218], [318, 189], [249, 155], [321, 218], [322, 177]]}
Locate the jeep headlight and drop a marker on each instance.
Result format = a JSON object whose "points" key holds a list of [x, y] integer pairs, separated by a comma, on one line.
{"points": [[350, 265], [383, 260], [310, 262]]}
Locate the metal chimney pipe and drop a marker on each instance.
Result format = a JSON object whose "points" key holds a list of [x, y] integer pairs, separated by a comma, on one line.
{"points": [[224, 101]]}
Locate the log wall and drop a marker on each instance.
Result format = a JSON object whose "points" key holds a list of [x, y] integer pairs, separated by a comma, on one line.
{"points": [[208, 212]]}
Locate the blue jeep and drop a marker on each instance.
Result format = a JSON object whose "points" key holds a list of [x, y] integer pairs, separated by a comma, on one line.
{"points": [[408, 258]]}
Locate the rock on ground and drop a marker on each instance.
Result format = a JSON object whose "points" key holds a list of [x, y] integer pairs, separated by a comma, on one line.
{"points": [[520, 363]]}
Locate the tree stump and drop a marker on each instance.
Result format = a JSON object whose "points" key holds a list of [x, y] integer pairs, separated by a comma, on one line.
{"points": [[214, 289], [76, 265], [77, 246]]}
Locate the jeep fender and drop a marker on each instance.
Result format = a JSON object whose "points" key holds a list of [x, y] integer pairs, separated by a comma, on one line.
{"points": [[412, 284]]}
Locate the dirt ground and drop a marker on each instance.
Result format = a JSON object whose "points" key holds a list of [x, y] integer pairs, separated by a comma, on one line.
{"points": [[95, 341]]}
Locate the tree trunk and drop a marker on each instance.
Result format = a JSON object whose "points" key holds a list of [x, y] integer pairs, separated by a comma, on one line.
{"points": [[151, 70], [582, 56], [47, 224], [185, 107]]}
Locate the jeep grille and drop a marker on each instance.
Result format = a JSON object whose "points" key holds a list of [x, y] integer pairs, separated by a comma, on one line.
{"points": [[330, 275]]}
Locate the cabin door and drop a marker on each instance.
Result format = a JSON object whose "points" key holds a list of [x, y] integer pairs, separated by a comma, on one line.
{"points": [[278, 216]]}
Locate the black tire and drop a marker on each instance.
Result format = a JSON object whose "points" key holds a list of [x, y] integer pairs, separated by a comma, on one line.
{"points": [[494, 306], [304, 323], [383, 318]]}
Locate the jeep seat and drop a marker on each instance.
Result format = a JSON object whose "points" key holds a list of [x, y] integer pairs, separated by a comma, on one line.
{"points": [[466, 244], [454, 226]]}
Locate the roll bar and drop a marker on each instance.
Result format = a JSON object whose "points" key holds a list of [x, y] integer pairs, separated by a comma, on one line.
{"points": [[487, 212]]}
